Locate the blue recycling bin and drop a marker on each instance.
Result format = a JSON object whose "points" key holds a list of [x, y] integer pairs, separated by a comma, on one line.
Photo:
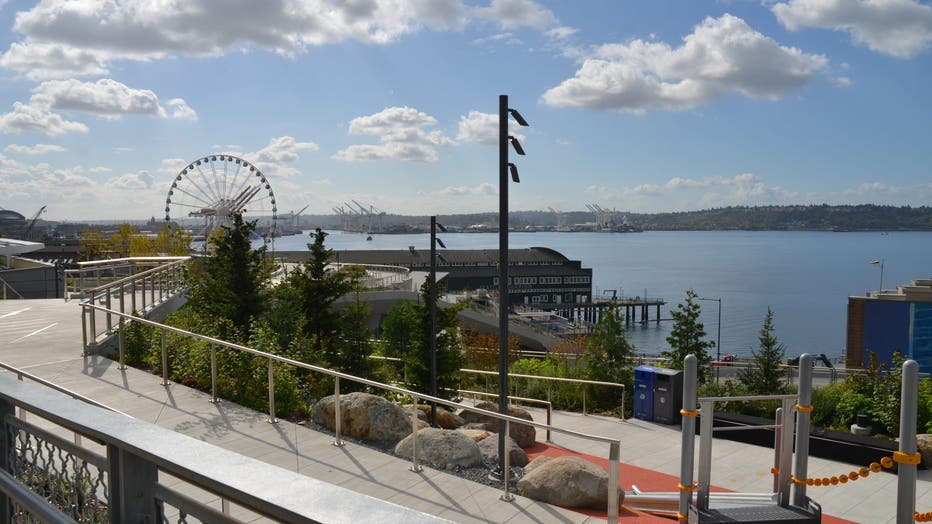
{"points": [[644, 392]]}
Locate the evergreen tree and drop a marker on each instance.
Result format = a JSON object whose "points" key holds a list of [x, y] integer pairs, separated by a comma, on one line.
{"points": [[764, 376], [356, 347], [406, 334], [687, 336], [609, 355], [318, 286], [234, 283]]}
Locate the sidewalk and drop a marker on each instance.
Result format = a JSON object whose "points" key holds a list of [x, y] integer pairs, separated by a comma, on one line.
{"points": [[44, 338]]}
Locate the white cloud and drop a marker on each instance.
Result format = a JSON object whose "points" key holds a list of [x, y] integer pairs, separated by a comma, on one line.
{"points": [[26, 118], [274, 158], [38, 149], [482, 189], [104, 98], [482, 128], [517, 13], [899, 28], [132, 181], [181, 110], [401, 134], [69, 38], [721, 55], [99, 169]]}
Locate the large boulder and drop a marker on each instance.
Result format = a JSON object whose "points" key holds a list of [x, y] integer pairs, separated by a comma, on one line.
{"points": [[571, 482], [924, 446], [523, 434], [445, 418], [443, 448], [365, 416], [489, 449]]}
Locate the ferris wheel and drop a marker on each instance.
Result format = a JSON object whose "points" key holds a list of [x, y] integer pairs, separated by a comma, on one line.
{"points": [[210, 189]]}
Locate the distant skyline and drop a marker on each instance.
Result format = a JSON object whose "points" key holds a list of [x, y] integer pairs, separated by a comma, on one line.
{"points": [[639, 106]]}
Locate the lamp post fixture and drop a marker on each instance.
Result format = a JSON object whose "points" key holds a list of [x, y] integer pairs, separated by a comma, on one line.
{"points": [[504, 168], [879, 263], [718, 340], [434, 225]]}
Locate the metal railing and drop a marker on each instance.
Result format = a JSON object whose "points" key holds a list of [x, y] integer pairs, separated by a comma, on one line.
{"points": [[99, 273], [416, 398], [379, 275], [546, 403], [45, 478], [140, 292], [560, 379]]}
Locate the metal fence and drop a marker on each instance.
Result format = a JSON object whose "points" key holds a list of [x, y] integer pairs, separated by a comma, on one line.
{"points": [[133, 471], [416, 398]]}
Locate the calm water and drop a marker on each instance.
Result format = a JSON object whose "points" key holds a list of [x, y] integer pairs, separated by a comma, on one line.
{"points": [[805, 277]]}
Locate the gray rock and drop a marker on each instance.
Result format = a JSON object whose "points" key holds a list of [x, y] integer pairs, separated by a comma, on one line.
{"points": [[924, 447], [445, 418], [489, 449], [365, 416], [443, 448], [523, 434], [571, 482]]}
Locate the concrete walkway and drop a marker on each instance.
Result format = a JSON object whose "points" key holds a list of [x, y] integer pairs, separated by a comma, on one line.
{"points": [[44, 338]]}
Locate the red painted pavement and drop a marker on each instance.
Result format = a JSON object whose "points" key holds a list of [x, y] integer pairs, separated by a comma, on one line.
{"points": [[646, 480]]}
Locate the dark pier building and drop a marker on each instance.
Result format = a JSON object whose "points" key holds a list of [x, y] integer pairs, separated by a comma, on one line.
{"points": [[539, 278]]}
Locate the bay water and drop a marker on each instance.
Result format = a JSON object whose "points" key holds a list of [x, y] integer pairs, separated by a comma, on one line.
{"points": [[805, 277]]}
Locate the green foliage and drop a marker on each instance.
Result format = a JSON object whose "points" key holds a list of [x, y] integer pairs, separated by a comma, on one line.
{"points": [[317, 287], [563, 395], [233, 285], [406, 335], [686, 337], [765, 376], [608, 358], [356, 347], [138, 339]]}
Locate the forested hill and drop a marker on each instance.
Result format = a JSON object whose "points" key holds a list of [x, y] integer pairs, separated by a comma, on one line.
{"points": [[822, 217]]}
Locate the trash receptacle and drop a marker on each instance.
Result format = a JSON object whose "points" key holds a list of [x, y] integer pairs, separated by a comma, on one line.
{"points": [[644, 392], [668, 395]]}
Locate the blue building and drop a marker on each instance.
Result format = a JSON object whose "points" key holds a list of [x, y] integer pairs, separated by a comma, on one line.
{"points": [[888, 322]]}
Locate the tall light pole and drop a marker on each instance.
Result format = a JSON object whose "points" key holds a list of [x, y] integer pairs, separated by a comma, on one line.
{"points": [[879, 263], [504, 167], [434, 225], [718, 340]]}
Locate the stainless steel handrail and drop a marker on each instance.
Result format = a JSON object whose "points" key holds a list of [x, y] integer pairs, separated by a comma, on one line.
{"points": [[561, 379], [614, 444]]}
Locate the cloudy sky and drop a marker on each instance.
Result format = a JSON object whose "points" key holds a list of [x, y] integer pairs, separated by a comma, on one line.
{"points": [[636, 105]]}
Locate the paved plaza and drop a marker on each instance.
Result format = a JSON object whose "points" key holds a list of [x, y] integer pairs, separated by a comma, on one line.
{"points": [[44, 338]]}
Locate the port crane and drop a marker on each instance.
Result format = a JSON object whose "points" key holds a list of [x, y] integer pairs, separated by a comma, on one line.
{"points": [[32, 222]]}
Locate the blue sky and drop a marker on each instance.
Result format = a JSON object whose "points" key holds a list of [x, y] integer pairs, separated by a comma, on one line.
{"points": [[637, 106]]}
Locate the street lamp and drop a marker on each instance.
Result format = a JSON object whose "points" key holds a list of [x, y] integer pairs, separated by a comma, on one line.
{"points": [[504, 169], [434, 225], [718, 341], [879, 263]]}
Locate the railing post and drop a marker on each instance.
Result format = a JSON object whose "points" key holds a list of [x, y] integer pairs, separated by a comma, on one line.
{"points": [[787, 434], [7, 453], [272, 419], [506, 474], [777, 447], [415, 467], [624, 391], [84, 329], [549, 416], [803, 409], [109, 320], [706, 427], [584, 388], [132, 481], [337, 414], [614, 467], [132, 298], [213, 374], [687, 453], [165, 381], [906, 471], [121, 337], [143, 282]]}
